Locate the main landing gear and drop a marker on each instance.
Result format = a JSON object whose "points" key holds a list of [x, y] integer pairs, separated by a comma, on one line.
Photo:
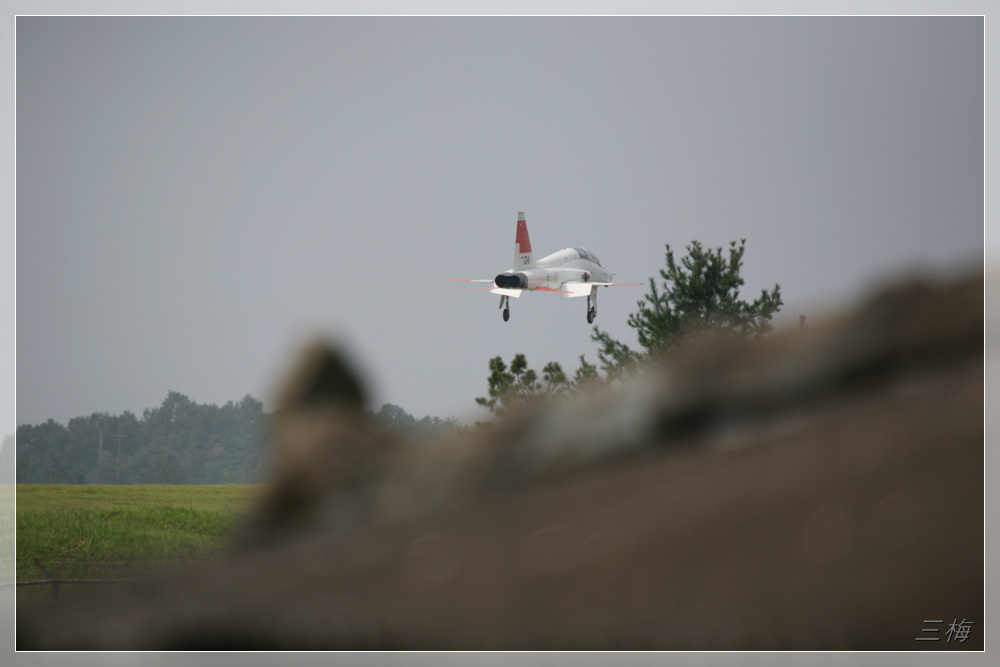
{"points": [[505, 304], [591, 306]]}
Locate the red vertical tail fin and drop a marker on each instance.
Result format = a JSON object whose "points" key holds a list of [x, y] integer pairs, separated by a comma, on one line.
{"points": [[523, 257]]}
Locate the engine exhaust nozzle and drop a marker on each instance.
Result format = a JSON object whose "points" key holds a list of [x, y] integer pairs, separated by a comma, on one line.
{"points": [[511, 280]]}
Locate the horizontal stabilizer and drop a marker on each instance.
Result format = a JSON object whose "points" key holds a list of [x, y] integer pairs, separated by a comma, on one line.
{"points": [[580, 288], [516, 293], [573, 290]]}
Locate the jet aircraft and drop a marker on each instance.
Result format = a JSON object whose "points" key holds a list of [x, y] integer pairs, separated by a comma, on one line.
{"points": [[571, 272]]}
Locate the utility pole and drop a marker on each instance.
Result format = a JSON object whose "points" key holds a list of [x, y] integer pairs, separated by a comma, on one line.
{"points": [[118, 457], [100, 448]]}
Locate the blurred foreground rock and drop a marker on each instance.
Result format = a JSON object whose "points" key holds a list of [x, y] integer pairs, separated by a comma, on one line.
{"points": [[819, 489]]}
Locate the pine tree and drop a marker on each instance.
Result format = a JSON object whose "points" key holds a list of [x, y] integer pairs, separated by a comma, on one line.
{"points": [[698, 295], [508, 385]]}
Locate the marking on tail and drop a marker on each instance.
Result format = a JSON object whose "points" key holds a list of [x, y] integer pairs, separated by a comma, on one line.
{"points": [[523, 257]]}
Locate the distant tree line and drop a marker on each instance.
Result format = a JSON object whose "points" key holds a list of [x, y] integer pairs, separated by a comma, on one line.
{"points": [[396, 418], [179, 442]]}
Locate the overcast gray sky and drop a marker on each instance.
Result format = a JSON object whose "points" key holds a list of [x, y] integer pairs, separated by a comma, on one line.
{"points": [[196, 196]]}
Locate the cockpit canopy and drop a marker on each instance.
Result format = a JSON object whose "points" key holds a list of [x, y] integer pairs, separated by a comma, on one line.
{"points": [[584, 254]]}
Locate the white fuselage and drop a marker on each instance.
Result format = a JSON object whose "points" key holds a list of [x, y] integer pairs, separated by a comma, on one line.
{"points": [[569, 265], [565, 266]]}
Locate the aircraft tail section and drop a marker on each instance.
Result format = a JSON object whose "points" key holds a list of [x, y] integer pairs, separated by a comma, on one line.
{"points": [[523, 257]]}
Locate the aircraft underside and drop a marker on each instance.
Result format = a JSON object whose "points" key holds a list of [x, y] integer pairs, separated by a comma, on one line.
{"points": [[591, 295]]}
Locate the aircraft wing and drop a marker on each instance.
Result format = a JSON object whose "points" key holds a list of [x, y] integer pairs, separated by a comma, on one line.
{"points": [[613, 284]]}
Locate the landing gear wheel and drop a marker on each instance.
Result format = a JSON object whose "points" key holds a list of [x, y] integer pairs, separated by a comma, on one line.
{"points": [[591, 314], [506, 314]]}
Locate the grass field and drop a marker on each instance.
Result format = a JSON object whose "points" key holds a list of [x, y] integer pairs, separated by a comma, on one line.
{"points": [[99, 532]]}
